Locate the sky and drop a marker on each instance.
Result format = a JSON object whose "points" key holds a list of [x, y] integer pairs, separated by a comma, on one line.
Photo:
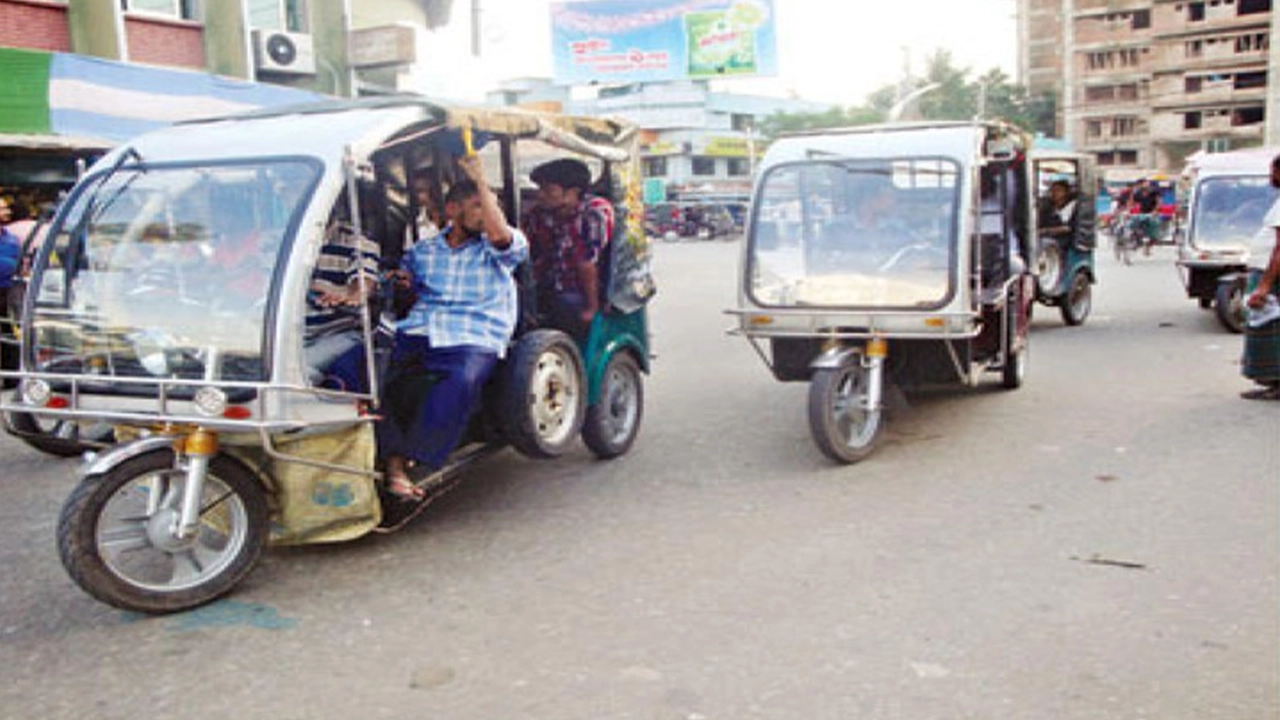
{"points": [[835, 51]]}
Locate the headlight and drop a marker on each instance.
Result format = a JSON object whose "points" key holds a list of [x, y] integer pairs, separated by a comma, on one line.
{"points": [[210, 401], [36, 392]]}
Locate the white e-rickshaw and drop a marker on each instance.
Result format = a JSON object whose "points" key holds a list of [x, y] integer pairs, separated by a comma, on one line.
{"points": [[172, 299], [888, 254]]}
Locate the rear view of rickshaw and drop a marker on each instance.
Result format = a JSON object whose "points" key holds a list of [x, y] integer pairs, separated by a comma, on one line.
{"points": [[887, 255], [174, 298]]}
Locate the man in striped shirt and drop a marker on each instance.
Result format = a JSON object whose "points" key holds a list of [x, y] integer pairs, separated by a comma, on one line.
{"points": [[346, 270], [457, 329]]}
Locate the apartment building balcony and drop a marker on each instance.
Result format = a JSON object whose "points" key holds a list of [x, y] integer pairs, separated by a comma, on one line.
{"points": [[1210, 95], [1173, 21]]}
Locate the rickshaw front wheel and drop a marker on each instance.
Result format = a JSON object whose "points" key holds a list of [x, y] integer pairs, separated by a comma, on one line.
{"points": [[613, 422], [116, 534], [1076, 305], [1228, 305], [844, 426]]}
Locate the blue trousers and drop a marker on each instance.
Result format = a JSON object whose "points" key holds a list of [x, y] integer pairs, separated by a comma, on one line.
{"points": [[428, 431]]}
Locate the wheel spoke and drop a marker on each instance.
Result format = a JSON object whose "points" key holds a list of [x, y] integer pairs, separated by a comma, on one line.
{"points": [[125, 537], [186, 567]]}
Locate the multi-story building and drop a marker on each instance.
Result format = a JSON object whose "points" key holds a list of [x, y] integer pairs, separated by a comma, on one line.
{"points": [[695, 142], [1142, 84]]}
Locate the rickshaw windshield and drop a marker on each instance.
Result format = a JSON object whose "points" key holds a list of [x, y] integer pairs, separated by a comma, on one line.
{"points": [[166, 272], [1229, 210], [855, 233]]}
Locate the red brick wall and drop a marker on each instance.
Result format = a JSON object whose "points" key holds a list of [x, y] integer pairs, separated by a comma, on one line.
{"points": [[165, 42], [35, 25]]}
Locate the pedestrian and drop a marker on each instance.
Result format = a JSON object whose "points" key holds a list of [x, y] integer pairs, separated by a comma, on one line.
{"points": [[456, 331], [1261, 360]]}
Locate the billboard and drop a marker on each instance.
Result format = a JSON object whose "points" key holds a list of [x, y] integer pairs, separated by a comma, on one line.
{"points": [[625, 41]]}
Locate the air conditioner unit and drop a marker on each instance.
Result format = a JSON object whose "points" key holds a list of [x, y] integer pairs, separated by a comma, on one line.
{"points": [[284, 52]]}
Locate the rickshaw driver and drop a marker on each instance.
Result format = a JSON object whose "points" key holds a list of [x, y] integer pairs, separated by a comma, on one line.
{"points": [[457, 329]]}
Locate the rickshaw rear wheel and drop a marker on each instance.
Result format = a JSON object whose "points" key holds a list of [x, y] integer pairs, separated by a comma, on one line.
{"points": [[1078, 302], [543, 397], [1228, 305], [842, 425], [613, 422], [115, 538], [63, 438]]}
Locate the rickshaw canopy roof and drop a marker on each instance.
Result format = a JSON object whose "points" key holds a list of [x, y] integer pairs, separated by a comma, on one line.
{"points": [[961, 141], [1250, 161], [326, 129]]}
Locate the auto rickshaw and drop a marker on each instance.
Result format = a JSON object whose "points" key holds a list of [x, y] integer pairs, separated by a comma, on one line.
{"points": [[1230, 194], [1064, 265], [228, 440], [889, 254]]}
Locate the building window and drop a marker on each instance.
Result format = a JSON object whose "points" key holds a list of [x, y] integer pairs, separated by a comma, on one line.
{"points": [[742, 123], [288, 15], [704, 166], [1248, 116], [1250, 80], [1191, 121], [1141, 19], [1250, 43], [738, 167], [1191, 84], [185, 9], [655, 167], [1102, 94], [1127, 92], [1249, 7], [1123, 126], [1195, 11], [1194, 49], [1106, 158], [1127, 157], [1093, 128]]}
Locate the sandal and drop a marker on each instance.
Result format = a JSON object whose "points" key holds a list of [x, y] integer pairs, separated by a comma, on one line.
{"points": [[403, 489], [1270, 392]]}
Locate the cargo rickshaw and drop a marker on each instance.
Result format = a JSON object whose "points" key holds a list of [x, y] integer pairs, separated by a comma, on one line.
{"points": [[147, 313], [1066, 234], [1230, 194], [891, 254]]}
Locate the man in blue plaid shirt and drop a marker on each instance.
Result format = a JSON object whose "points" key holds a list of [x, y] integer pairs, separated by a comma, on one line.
{"points": [[457, 329]]}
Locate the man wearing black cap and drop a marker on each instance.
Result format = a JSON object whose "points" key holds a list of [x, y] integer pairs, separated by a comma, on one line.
{"points": [[567, 230]]}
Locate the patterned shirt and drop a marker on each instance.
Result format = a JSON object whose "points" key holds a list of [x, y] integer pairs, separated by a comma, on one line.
{"points": [[344, 257], [466, 295], [560, 245]]}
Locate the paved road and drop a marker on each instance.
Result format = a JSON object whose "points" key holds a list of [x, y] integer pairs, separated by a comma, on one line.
{"points": [[1100, 544]]}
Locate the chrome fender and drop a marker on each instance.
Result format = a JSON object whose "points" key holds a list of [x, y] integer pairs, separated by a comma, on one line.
{"points": [[835, 358], [99, 463]]}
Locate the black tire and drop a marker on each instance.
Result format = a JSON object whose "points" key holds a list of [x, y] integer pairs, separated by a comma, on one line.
{"points": [[1049, 268], [1228, 305], [843, 429], [614, 421], [543, 398], [1078, 301], [113, 509], [62, 438], [1015, 361]]}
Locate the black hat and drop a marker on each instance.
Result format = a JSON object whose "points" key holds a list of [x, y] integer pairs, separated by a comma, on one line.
{"points": [[565, 172]]}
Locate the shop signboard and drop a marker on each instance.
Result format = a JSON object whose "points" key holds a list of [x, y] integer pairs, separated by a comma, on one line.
{"points": [[625, 41]]}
